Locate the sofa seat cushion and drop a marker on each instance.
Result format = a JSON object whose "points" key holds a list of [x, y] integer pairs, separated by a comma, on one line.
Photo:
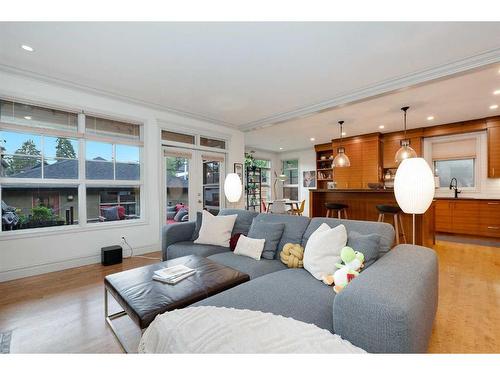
{"points": [[293, 293], [180, 249], [253, 268]]}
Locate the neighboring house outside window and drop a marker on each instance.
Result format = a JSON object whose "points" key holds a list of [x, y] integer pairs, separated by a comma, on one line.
{"points": [[42, 167], [291, 184]]}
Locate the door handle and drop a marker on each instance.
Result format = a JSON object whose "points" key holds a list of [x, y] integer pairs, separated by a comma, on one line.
{"points": [[493, 203], [493, 228]]}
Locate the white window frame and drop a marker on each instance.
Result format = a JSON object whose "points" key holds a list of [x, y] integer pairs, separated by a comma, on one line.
{"points": [[81, 182], [428, 143], [285, 185], [196, 149]]}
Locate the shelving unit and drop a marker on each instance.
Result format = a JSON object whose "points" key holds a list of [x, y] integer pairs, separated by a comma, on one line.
{"points": [[253, 189], [324, 164]]}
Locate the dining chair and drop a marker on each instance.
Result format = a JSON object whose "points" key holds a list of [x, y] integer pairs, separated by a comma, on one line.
{"points": [[278, 207], [299, 210]]}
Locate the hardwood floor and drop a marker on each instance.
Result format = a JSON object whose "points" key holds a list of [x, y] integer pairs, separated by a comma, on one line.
{"points": [[62, 312], [468, 316]]}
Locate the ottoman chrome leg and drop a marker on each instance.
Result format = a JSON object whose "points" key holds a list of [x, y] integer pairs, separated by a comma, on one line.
{"points": [[111, 317]]}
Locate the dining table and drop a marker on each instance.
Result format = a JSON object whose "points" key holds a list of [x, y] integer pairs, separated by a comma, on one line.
{"points": [[294, 204]]}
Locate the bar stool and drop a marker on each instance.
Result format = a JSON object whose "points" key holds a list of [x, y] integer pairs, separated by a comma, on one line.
{"points": [[398, 221], [339, 207]]}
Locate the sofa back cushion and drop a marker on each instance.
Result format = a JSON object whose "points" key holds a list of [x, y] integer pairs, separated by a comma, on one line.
{"points": [[385, 230], [295, 226], [271, 232], [242, 224], [243, 221]]}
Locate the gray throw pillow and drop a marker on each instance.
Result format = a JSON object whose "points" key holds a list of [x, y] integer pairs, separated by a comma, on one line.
{"points": [[368, 244], [271, 232]]}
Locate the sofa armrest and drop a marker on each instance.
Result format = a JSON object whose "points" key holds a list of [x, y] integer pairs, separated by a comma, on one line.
{"points": [[390, 307], [176, 232]]}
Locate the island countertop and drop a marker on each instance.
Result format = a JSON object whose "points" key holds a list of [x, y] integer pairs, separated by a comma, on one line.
{"points": [[362, 205], [352, 190]]}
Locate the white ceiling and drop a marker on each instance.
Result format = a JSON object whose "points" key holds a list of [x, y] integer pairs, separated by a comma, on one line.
{"points": [[464, 97], [249, 74]]}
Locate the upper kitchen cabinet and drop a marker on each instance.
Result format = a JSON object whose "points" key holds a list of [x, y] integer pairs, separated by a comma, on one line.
{"points": [[493, 148], [392, 143], [365, 154]]}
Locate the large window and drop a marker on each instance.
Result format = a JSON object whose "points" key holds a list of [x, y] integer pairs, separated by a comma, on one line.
{"points": [[291, 184], [454, 157], [42, 170], [27, 155], [462, 170]]}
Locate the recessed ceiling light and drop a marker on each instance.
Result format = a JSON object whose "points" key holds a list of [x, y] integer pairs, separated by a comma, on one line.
{"points": [[430, 118], [381, 126], [496, 92], [312, 139], [27, 117], [344, 133], [281, 148], [494, 106], [27, 48]]}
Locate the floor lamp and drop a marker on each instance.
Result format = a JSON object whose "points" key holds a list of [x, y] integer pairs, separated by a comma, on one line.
{"points": [[414, 187], [233, 187]]}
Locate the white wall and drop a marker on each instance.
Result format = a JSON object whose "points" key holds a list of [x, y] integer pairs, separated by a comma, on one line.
{"points": [[485, 187], [307, 162], [25, 255]]}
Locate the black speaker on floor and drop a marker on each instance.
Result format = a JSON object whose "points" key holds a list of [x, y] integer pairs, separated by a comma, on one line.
{"points": [[111, 255]]}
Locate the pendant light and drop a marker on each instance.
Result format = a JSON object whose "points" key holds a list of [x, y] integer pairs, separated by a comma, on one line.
{"points": [[405, 151], [341, 160]]}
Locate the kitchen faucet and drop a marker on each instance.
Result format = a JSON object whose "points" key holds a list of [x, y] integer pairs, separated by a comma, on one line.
{"points": [[454, 186]]}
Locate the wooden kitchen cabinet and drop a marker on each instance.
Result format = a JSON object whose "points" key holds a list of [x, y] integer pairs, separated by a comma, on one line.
{"points": [[365, 154], [442, 216], [489, 218], [468, 216], [392, 143], [494, 150]]}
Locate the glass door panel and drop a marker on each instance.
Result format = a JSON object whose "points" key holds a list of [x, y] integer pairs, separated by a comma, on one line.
{"points": [[178, 189], [211, 185]]}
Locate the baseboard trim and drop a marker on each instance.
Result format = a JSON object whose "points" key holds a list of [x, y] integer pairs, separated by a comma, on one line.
{"points": [[39, 269]]}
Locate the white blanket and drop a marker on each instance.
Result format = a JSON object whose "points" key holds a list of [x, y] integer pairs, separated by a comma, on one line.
{"points": [[209, 329]]}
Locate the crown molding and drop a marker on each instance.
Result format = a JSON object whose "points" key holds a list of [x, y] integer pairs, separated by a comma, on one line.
{"points": [[384, 87], [111, 95]]}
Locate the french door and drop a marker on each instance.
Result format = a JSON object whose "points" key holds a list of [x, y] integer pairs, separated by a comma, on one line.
{"points": [[193, 182]]}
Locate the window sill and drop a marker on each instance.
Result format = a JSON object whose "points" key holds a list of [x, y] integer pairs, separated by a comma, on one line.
{"points": [[66, 229]]}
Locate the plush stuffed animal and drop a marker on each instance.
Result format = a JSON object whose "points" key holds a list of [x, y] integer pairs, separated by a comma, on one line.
{"points": [[353, 262], [292, 255]]}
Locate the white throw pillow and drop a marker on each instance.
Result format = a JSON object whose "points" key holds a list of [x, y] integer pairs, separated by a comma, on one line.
{"points": [[250, 247], [215, 230], [323, 250]]}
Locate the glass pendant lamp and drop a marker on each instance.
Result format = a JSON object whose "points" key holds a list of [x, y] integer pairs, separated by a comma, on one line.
{"points": [[405, 151], [341, 159]]}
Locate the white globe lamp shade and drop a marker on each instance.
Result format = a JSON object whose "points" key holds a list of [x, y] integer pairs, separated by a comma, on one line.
{"points": [[233, 187], [414, 186]]}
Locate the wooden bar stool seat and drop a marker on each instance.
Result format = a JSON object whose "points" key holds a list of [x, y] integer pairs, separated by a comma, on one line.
{"points": [[398, 221], [339, 207]]}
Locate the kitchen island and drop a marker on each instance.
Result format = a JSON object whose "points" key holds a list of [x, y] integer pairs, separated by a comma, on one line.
{"points": [[362, 206]]}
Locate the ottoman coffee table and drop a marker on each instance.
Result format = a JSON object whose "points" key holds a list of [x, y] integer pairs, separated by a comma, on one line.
{"points": [[143, 298]]}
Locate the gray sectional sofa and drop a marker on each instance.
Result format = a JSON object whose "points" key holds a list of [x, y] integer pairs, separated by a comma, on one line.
{"points": [[389, 308]]}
